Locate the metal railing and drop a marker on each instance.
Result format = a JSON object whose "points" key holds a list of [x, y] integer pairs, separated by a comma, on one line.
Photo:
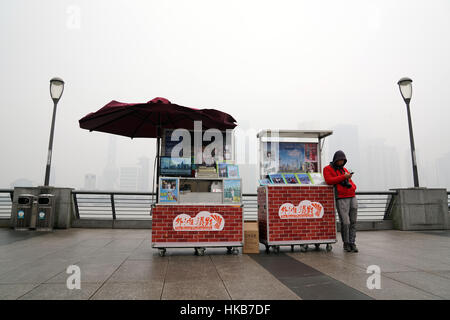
{"points": [[6, 198], [133, 205], [113, 205], [448, 200], [373, 205]]}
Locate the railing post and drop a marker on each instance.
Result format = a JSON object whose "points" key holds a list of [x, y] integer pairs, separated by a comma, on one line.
{"points": [[75, 202], [113, 207]]}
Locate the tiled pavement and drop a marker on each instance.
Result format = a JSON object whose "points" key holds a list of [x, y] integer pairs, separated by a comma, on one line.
{"points": [[120, 264]]}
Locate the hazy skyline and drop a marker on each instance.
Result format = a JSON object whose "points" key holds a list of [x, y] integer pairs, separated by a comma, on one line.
{"points": [[271, 65]]}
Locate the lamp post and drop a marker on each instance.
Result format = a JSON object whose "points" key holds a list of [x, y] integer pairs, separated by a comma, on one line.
{"points": [[56, 90], [405, 86]]}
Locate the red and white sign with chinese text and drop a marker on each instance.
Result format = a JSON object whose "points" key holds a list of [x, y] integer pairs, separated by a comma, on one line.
{"points": [[305, 210], [203, 221]]}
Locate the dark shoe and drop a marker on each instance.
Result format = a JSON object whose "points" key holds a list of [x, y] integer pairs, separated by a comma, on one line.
{"points": [[353, 247], [347, 247]]}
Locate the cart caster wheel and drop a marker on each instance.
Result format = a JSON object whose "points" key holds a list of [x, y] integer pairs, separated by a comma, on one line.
{"points": [[162, 252], [267, 249], [329, 247], [276, 249], [317, 245], [229, 250], [303, 247], [235, 251], [200, 251]]}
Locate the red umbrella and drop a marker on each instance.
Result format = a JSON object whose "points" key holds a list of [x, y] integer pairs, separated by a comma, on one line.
{"points": [[145, 120], [142, 120]]}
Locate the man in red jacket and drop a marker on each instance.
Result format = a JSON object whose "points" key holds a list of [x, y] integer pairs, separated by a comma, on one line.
{"points": [[346, 203]]}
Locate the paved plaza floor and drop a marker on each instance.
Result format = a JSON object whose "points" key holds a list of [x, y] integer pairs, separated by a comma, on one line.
{"points": [[120, 264]]}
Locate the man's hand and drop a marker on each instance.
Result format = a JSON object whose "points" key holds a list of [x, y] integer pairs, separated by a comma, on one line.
{"points": [[348, 175]]}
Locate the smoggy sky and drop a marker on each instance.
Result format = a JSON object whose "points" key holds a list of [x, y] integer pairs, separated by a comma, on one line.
{"points": [[270, 64]]}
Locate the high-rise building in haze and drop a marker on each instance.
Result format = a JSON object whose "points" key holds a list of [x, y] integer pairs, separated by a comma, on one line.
{"points": [[442, 170], [110, 172], [144, 176], [90, 181], [129, 178], [381, 166], [345, 137]]}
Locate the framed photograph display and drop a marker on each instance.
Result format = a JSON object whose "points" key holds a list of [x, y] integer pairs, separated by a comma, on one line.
{"points": [[168, 190], [232, 190], [316, 178], [232, 171], [289, 157], [303, 178], [176, 167], [270, 158], [277, 178], [290, 178], [222, 169]]}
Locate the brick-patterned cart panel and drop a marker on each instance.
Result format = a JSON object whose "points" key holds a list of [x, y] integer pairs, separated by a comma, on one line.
{"points": [[163, 231], [310, 228]]}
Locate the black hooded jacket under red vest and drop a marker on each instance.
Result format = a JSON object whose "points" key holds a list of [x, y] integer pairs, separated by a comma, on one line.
{"points": [[334, 175]]}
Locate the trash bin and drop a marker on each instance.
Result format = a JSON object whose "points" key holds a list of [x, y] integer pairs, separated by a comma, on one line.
{"points": [[24, 211], [45, 208]]}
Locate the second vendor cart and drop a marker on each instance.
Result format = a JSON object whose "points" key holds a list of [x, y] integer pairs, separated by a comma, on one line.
{"points": [[295, 205]]}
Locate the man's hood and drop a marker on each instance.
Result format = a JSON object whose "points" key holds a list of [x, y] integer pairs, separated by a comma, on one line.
{"points": [[339, 155]]}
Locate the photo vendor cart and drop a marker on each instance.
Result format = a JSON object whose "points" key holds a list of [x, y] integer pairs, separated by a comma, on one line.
{"points": [[295, 205], [199, 204]]}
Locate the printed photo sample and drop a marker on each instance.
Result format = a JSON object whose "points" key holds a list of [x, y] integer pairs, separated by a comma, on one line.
{"points": [[232, 190], [222, 169], [309, 167], [303, 178], [311, 152], [292, 156], [176, 166], [290, 178], [264, 182], [270, 157], [316, 178], [232, 171], [277, 178], [168, 190]]}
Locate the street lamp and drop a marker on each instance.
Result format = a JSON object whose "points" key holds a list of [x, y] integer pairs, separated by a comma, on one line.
{"points": [[405, 86], [56, 90]]}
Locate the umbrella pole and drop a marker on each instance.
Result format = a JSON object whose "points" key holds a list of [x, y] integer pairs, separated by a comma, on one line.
{"points": [[158, 172], [158, 156]]}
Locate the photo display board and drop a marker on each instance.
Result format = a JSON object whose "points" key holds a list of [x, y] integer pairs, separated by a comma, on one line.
{"points": [[289, 157]]}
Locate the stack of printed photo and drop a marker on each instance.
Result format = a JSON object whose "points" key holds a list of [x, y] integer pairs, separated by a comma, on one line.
{"points": [[227, 170]]}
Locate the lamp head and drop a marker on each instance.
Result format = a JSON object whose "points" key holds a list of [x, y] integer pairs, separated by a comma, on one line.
{"points": [[405, 86], [56, 88]]}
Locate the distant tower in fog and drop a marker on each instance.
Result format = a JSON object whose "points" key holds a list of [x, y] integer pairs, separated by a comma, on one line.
{"points": [[90, 181], [144, 176], [129, 178], [345, 137], [110, 172]]}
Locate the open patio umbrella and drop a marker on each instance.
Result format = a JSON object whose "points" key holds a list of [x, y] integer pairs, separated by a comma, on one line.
{"points": [[145, 120]]}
